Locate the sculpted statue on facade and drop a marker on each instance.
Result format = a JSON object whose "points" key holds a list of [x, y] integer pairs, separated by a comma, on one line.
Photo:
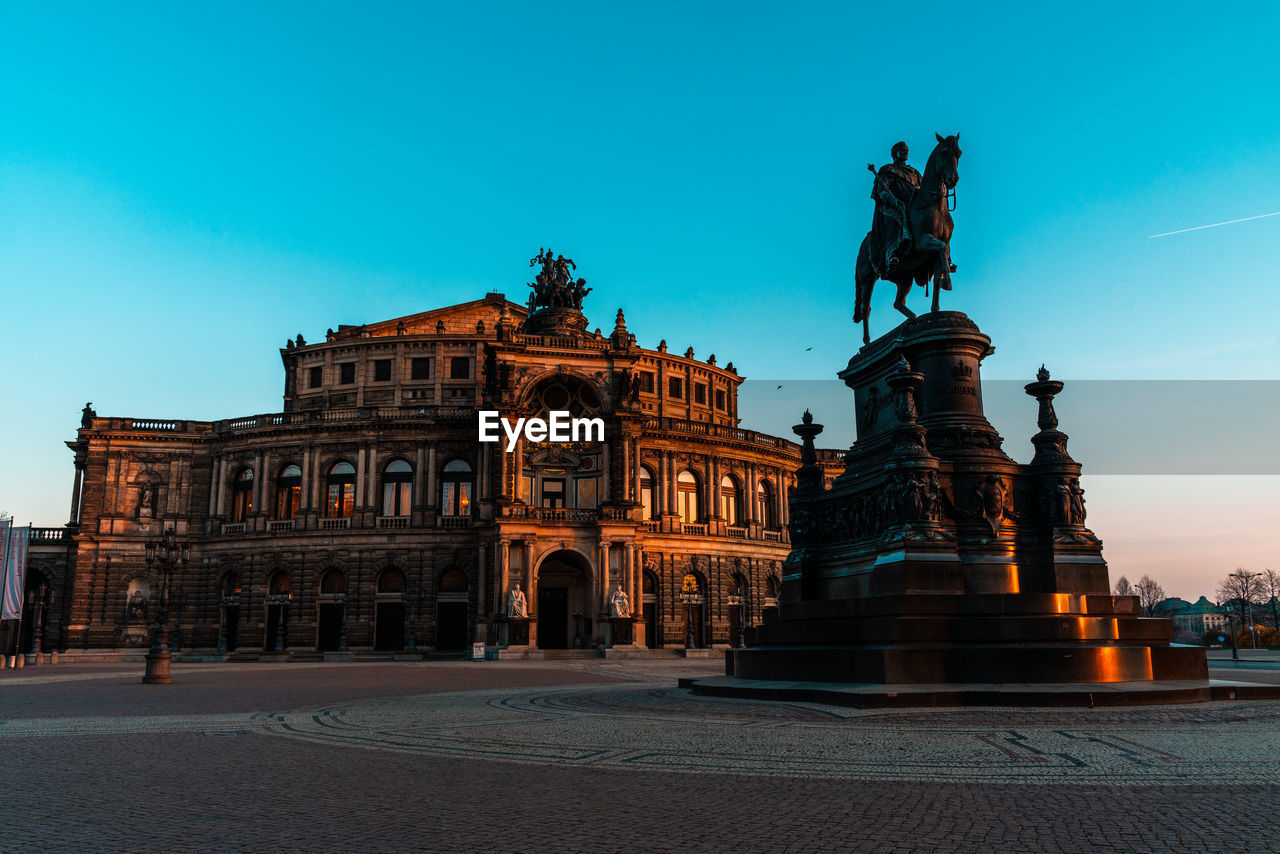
{"points": [[516, 605], [619, 604]]}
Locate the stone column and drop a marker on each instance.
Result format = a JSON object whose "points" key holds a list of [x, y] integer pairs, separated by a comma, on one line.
{"points": [[606, 480], [215, 478], [360, 476], [602, 576], [75, 493], [433, 494], [371, 499], [504, 574], [419, 479], [519, 474]]}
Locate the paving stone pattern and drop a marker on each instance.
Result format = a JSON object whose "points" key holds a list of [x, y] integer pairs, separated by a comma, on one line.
{"points": [[602, 757]]}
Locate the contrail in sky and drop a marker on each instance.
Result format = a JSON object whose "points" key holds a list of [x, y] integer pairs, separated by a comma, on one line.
{"points": [[1214, 224]]}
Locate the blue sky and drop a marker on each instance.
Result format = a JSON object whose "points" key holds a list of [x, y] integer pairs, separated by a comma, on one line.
{"points": [[184, 186]]}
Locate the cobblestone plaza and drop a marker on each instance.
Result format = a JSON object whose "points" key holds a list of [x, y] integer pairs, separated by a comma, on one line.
{"points": [[600, 755]]}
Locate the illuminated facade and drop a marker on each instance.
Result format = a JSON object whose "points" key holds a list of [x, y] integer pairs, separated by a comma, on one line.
{"points": [[366, 517]]}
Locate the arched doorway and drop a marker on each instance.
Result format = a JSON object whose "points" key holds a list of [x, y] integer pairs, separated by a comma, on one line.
{"points": [[563, 615], [452, 605], [331, 620], [388, 614]]}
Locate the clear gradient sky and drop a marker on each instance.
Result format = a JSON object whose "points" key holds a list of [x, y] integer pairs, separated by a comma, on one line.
{"points": [[183, 186]]}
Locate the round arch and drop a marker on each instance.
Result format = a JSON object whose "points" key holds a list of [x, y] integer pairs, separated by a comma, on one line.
{"points": [[565, 607]]}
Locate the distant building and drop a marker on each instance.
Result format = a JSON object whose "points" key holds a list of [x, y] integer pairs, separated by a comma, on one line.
{"points": [[366, 516], [1197, 617]]}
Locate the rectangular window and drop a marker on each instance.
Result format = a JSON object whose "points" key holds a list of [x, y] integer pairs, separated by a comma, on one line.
{"points": [[396, 498], [287, 500], [346, 373], [459, 368], [699, 393], [646, 381], [316, 378], [719, 398], [675, 388], [456, 498], [553, 493], [342, 499], [381, 370], [420, 369]]}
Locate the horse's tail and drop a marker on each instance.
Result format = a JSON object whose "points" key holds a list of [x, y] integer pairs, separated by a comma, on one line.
{"points": [[863, 277]]}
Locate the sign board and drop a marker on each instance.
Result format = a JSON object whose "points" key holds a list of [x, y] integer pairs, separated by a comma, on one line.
{"points": [[1222, 638], [477, 652]]}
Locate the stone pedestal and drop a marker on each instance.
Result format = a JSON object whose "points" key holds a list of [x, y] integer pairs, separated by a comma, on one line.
{"points": [[513, 631], [935, 559]]}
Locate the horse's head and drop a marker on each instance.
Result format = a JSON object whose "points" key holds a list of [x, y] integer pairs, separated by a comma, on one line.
{"points": [[944, 159]]}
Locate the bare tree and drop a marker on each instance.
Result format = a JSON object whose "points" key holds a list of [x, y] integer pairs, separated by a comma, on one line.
{"points": [[1270, 581], [1150, 594], [1123, 587], [1241, 589]]}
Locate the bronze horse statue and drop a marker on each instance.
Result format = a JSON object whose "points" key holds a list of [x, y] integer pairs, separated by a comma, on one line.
{"points": [[928, 258]]}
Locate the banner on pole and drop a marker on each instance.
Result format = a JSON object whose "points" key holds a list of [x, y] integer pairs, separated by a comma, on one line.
{"points": [[15, 571]]}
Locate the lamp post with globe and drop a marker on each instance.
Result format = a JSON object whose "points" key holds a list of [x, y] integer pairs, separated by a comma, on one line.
{"points": [[163, 555]]}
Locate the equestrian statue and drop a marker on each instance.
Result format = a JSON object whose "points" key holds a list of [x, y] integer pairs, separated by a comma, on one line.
{"points": [[910, 237]]}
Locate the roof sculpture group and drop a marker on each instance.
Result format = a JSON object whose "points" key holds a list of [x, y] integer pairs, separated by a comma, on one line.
{"points": [[910, 237], [554, 286]]}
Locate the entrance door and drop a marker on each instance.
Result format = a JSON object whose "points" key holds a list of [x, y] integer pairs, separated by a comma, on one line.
{"points": [[330, 627], [275, 616], [651, 638], [233, 625], [389, 634], [553, 617], [451, 625]]}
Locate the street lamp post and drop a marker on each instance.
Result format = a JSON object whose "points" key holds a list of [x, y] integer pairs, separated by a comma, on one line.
{"points": [[736, 600], [164, 554], [688, 598]]}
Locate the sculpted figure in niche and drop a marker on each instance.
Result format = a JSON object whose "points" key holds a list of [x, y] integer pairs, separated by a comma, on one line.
{"points": [[619, 604], [146, 499], [135, 610], [516, 606]]}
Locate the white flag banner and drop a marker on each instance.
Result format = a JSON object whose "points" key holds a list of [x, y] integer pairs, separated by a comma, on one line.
{"points": [[15, 572], [5, 525]]}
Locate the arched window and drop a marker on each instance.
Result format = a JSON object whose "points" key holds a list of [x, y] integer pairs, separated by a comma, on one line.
{"points": [[774, 588], [391, 581], [455, 489], [766, 512], [729, 500], [646, 494], [342, 490], [397, 488], [687, 497], [288, 492], [279, 585], [242, 495], [453, 581], [231, 584], [334, 581]]}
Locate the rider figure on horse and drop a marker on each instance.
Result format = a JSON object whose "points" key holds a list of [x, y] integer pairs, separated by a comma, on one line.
{"points": [[891, 228]]}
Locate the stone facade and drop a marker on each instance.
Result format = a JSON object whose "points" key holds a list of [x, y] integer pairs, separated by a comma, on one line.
{"points": [[366, 516]]}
